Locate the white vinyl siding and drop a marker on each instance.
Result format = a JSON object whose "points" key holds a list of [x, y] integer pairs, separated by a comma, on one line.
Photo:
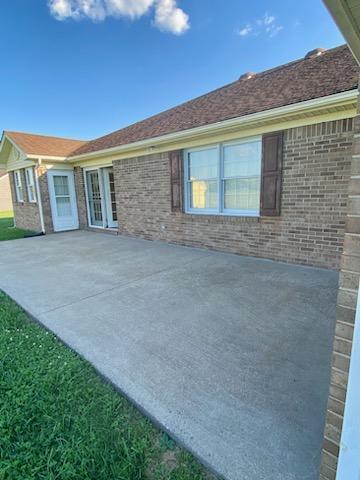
{"points": [[30, 184], [224, 179], [18, 186]]}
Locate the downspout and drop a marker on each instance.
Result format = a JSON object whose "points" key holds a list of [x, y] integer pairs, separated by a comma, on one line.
{"points": [[38, 193]]}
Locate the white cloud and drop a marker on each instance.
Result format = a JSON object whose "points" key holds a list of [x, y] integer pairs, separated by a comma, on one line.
{"points": [[168, 16], [267, 19], [244, 31], [171, 18], [128, 8], [266, 25]]}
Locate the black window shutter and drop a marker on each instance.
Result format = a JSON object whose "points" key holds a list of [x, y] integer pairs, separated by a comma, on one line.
{"points": [[271, 172], [176, 158]]}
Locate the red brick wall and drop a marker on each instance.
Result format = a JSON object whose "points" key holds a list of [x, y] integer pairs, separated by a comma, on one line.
{"points": [[26, 214], [309, 231], [80, 197]]}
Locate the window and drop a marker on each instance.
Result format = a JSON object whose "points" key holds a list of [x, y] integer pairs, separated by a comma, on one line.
{"points": [[62, 195], [29, 175], [224, 179], [18, 186]]}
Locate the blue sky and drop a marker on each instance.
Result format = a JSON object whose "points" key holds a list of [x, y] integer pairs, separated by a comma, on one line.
{"points": [[66, 74]]}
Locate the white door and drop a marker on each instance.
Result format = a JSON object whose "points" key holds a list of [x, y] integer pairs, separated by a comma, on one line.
{"points": [[110, 201], [63, 200], [100, 195], [95, 198]]}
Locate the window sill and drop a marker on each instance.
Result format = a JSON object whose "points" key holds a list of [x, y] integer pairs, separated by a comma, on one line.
{"points": [[22, 204], [219, 218]]}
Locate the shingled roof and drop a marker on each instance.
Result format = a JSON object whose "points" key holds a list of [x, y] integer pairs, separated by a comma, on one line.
{"points": [[44, 145], [333, 71]]}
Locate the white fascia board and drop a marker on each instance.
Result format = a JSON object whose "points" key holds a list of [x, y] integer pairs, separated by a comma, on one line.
{"points": [[46, 158], [13, 144], [298, 108]]}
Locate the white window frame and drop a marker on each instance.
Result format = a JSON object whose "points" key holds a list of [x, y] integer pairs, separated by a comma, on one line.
{"points": [[18, 186], [30, 184], [220, 210]]}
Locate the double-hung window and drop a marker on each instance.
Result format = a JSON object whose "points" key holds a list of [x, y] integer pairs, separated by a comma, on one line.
{"points": [[224, 179], [18, 186], [203, 179], [30, 184]]}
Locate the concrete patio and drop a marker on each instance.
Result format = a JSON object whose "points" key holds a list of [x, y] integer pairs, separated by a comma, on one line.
{"points": [[229, 354]]}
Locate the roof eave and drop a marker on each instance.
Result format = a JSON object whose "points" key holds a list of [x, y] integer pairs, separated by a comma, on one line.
{"points": [[348, 22], [272, 114], [8, 137], [39, 156]]}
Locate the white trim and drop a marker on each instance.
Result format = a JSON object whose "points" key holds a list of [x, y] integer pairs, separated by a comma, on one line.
{"points": [[349, 465], [38, 193], [72, 195], [234, 122], [102, 195], [344, 14], [86, 196], [46, 157], [220, 210], [12, 143], [18, 186]]}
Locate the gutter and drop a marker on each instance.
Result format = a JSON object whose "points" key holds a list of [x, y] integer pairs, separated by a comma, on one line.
{"points": [[296, 108]]}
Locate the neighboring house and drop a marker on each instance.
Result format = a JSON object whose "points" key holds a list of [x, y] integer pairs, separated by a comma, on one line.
{"points": [[30, 161], [259, 167], [267, 166], [5, 192]]}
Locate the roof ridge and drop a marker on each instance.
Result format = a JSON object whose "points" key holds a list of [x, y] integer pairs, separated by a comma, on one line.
{"points": [[302, 59], [256, 75]]}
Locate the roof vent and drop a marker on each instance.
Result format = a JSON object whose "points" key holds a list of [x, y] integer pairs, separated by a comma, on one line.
{"points": [[247, 76], [315, 53]]}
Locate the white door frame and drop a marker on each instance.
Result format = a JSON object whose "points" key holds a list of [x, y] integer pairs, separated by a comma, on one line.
{"points": [[100, 170], [349, 457], [107, 195], [73, 221], [90, 169]]}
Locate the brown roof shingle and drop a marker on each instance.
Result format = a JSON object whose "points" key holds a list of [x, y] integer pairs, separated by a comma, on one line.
{"points": [[44, 145], [332, 72]]}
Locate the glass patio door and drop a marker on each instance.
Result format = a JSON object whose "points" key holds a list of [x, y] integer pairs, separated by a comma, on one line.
{"points": [[101, 200], [94, 198]]}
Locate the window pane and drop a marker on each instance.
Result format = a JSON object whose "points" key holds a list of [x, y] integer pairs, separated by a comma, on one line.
{"points": [[63, 206], [203, 164], [242, 194], [31, 192], [17, 179], [94, 197], [204, 194], [242, 160], [61, 185], [19, 194]]}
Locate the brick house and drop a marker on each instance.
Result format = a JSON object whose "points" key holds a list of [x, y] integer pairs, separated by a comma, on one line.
{"points": [[260, 167]]}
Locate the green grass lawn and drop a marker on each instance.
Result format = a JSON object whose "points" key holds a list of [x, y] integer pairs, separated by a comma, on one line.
{"points": [[59, 420], [7, 229]]}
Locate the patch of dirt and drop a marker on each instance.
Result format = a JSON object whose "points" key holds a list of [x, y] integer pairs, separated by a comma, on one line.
{"points": [[169, 459]]}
